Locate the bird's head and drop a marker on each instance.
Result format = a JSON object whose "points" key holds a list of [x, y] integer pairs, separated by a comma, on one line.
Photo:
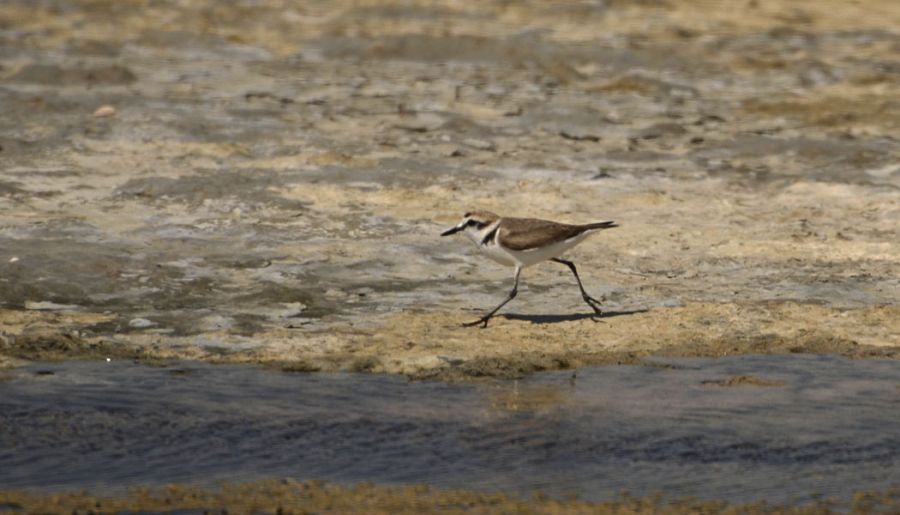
{"points": [[473, 222]]}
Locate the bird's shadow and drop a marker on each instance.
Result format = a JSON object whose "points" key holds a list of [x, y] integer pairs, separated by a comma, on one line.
{"points": [[555, 319]]}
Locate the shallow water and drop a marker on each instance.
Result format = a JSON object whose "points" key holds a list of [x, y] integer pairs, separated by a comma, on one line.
{"points": [[830, 429]]}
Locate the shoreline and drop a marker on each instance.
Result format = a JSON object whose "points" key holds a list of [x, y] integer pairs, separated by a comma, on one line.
{"points": [[435, 346], [290, 496]]}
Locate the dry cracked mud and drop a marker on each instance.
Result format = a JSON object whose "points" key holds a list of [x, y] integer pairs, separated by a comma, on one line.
{"points": [[273, 177]]}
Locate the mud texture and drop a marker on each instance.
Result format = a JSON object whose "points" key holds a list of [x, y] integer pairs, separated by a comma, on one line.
{"points": [[290, 496], [266, 181]]}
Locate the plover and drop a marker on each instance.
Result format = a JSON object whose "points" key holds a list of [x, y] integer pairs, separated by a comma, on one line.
{"points": [[522, 242]]}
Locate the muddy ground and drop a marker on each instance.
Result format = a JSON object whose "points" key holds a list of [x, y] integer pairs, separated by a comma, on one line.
{"points": [[290, 496], [271, 179]]}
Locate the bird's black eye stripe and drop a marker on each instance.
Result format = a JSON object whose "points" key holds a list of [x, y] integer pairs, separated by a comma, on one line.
{"points": [[480, 225], [471, 222]]}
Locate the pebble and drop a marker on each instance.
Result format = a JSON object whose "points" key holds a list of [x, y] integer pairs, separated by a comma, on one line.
{"points": [[105, 111], [140, 323]]}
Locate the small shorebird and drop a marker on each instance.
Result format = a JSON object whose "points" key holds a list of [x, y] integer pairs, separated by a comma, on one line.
{"points": [[522, 242]]}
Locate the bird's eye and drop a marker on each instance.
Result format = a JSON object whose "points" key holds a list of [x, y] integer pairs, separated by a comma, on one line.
{"points": [[470, 223]]}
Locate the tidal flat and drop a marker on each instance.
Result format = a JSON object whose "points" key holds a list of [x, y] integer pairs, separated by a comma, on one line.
{"points": [[263, 184], [267, 182]]}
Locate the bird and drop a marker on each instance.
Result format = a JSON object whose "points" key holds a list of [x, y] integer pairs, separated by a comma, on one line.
{"points": [[523, 242]]}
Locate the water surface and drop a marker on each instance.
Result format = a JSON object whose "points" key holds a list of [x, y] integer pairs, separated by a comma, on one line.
{"points": [[826, 426]]}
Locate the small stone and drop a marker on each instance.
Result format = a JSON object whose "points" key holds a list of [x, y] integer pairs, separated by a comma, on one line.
{"points": [[140, 323], [105, 111], [13, 259]]}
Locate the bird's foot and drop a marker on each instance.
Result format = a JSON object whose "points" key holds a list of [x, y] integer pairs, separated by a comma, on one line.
{"points": [[594, 304], [483, 321]]}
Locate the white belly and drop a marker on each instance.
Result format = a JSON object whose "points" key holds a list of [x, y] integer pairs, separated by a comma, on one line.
{"points": [[498, 254]]}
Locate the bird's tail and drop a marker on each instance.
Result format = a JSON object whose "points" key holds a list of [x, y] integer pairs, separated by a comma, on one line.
{"points": [[599, 226]]}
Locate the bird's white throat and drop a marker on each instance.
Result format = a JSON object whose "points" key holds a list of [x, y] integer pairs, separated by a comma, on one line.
{"points": [[478, 235]]}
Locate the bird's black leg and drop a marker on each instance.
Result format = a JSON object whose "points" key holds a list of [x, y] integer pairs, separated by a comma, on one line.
{"points": [[512, 294], [591, 301]]}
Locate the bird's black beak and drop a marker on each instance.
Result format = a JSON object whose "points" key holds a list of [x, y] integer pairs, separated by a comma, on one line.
{"points": [[451, 230]]}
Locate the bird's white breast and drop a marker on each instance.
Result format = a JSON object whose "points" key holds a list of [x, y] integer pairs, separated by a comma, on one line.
{"points": [[491, 249]]}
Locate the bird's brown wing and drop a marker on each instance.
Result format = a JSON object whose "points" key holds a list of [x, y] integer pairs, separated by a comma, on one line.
{"points": [[530, 233]]}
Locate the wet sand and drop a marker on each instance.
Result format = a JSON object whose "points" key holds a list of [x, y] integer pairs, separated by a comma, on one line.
{"points": [[316, 497], [271, 180]]}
